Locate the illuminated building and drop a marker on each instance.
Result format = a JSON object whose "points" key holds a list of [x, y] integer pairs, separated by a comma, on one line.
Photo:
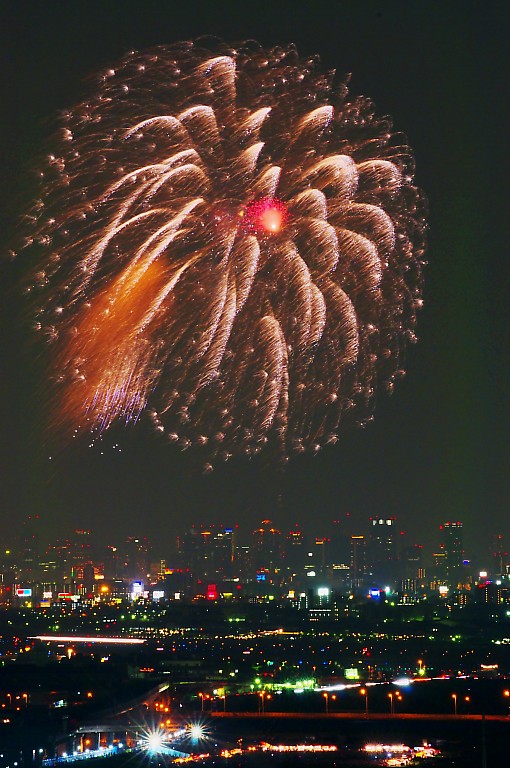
{"points": [[411, 562], [88, 577], [358, 562], [81, 551], [59, 553], [492, 593], [136, 552], [499, 555], [295, 552], [451, 544], [321, 550], [438, 568], [224, 548], [266, 549], [382, 551], [208, 552]]}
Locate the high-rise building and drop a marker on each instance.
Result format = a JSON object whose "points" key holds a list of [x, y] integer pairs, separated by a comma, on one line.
{"points": [[341, 538], [451, 544], [499, 555], [322, 553], [266, 549], [136, 551], [358, 562], [81, 551], [295, 552], [411, 562], [382, 551], [208, 552]]}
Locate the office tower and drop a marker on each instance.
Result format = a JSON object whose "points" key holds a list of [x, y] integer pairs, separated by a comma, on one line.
{"points": [[382, 551], [221, 552], [411, 562], [208, 552], [451, 544], [295, 553], [341, 539], [321, 548], [88, 577], [81, 551], [27, 544], [136, 554], [499, 555], [266, 549], [112, 562], [438, 574], [60, 553], [358, 562]]}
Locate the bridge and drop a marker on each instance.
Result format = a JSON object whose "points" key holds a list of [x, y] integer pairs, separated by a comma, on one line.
{"points": [[120, 728]]}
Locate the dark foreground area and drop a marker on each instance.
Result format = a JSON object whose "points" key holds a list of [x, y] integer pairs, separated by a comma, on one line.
{"points": [[463, 744]]}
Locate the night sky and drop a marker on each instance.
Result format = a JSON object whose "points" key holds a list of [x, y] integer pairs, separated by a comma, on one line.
{"points": [[438, 449]]}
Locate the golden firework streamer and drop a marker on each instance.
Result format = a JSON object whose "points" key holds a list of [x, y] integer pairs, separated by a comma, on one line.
{"points": [[230, 242]]}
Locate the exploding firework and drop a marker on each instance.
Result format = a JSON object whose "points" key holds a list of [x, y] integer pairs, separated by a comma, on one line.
{"points": [[231, 243]]}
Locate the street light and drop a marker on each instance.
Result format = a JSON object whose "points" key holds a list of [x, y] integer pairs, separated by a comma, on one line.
{"points": [[263, 695], [204, 697], [506, 694], [326, 697], [454, 697], [364, 692], [392, 705]]}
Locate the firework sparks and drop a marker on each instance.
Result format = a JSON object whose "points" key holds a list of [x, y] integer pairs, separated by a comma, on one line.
{"points": [[230, 243]]}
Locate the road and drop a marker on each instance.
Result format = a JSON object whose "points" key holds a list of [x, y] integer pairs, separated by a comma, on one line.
{"points": [[358, 716]]}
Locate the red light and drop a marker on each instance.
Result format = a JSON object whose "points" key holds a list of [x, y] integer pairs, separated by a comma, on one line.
{"points": [[212, 592], [266, 215]]}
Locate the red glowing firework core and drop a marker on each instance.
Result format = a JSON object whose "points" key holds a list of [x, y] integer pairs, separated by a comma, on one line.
{"points": [[267, 214]]}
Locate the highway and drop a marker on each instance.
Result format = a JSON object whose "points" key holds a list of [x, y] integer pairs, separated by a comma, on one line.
{"points": [[362, 717]]}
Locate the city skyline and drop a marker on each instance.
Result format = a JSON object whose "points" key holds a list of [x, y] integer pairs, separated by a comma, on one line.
{"points": [[377, 552], [437, 449]]}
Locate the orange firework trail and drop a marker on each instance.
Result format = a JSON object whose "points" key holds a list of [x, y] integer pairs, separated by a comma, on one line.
{"points": [[230, 243]]}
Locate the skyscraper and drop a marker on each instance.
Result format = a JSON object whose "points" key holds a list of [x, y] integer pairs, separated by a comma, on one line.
{"points": [[451, 544], [295, 552], [267, 549], [208, 552], [358, 562], [499, 554], [382, 551]]}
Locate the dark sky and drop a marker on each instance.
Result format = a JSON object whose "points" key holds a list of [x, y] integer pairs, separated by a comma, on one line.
{"points": [[439, 448]]}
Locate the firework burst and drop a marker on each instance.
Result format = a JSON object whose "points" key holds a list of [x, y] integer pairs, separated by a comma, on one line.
{"points": [[231, 243]]}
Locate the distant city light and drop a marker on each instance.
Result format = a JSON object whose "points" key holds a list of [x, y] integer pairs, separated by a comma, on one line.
{"points": [[87, 639]]}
